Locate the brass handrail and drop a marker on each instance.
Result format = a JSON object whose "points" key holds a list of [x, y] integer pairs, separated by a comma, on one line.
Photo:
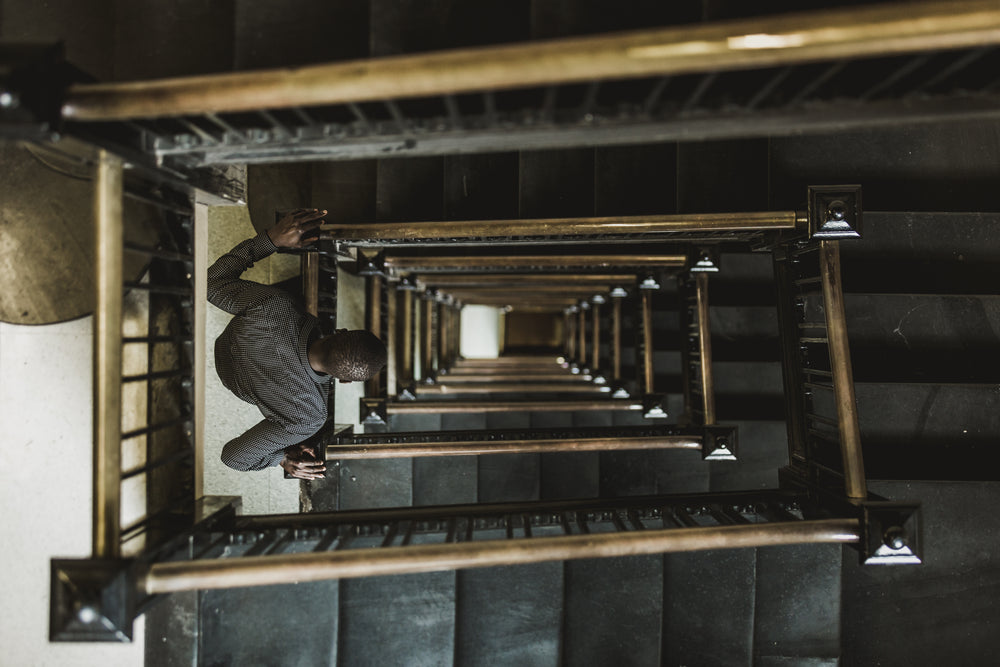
{"points": [[543, 280], [648, 375], [705, 348], [855, 485], [475, 263], [408, 336], [508, 360], [741, 44], [458, 230], [443, 387], [373, 322], [477, 447], [172, 577], [488, 405], [108, 356], [504, 376], [616, 339]]}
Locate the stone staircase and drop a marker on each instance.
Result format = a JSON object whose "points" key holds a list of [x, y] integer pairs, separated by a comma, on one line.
{"points": [[914, 352]]}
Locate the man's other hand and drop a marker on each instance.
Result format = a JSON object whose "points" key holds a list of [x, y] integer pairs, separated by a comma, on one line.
{"points": [[294, 227], [300, 461]]}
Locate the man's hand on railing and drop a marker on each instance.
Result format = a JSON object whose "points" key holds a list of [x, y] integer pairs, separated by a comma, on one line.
{"points": [[300, 461], [294, 230]]}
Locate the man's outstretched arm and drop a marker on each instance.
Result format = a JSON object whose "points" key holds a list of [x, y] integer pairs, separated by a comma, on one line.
{"points": [[266, 445], [225, 288]]}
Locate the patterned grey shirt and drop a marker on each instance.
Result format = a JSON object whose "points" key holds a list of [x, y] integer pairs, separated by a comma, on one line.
{"points": [[262, 358]]}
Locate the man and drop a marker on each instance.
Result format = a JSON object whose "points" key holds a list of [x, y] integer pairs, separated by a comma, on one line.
{"points": [[272, 354]]}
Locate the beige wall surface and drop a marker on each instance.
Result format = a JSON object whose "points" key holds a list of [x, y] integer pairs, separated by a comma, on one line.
{"points": [[45, 488]]}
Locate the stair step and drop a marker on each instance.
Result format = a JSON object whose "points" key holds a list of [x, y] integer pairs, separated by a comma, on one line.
{"points": [[565, 474], [762, 378], [481, 187], [763, 450], [252, 626], [407, 619], [368, 483], [922, 412], [421, 422], [947, 323], [635, 180], [708, 607], [411, 26], [509, 477], [346, 189], [449, 480], [722, 176], [613, 611], [299, 32], [509, 615], [950, 237], [558, 18], [146, 44], [734, 324], [410, 190], [949, 615], [924, 364], [556, 183], [630, 473], [955, 168], [797, 605]]}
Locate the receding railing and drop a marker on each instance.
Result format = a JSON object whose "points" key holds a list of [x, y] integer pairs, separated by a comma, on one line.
{"points": [[430, 263], [108, 357], [713, 226], [339, 441], [696, 346], [173, 577], [816, 365], [144, 348], [408, 540], [744, 44], [99, 600], [487, 405]]}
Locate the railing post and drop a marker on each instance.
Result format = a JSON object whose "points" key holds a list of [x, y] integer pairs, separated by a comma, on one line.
{"points": [[791, 367], [374, 325], [618, 387], [582, 334], [843, 376], [108, 356], [647, 342], [653, 403], [427, 342], [437, 335], [705, 349], [408, 335], [392, 340], [444, 344], [571, 326], [457, 352], [596, 302]]}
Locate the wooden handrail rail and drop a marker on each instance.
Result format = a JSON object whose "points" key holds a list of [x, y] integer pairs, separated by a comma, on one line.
{"points": [[108, 188], [742, 44], [476, 263], [172, 577], [488, 405], [458, 230], [477, 447]]}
